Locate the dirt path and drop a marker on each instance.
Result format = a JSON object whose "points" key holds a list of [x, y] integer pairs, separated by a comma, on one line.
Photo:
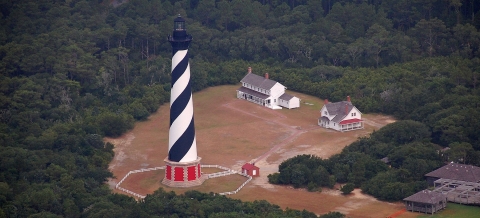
{"points": [[294, 131]]}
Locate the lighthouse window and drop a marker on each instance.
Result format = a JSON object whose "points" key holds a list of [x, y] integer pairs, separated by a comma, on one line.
{"points": [[179, 25]]}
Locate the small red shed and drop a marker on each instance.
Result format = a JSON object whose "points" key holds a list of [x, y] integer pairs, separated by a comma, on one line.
{"points": [[251, 170]]}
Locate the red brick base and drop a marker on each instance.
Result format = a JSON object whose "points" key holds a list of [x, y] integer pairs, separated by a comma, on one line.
{"points": [[183, 174]]}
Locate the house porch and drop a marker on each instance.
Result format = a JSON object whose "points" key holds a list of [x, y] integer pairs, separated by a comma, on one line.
{"points": [[351, 126], [425, 207], [255, 97]]}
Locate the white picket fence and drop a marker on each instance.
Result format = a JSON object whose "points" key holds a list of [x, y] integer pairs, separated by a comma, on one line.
{"points": [[239, 188], [226, 172], [216, 166], [223, 173], [117, 186]]}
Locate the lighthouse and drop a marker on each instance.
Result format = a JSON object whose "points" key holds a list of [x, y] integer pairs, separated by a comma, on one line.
{"points": [[183, 167]]}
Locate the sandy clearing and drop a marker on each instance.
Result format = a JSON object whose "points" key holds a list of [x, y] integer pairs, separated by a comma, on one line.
{"points": [[231, 132]]}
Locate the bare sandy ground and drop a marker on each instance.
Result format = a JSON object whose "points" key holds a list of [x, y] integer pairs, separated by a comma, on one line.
{"points": [[231, 132]]}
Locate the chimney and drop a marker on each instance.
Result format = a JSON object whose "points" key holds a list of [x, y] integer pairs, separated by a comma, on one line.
{"points": [[266, 75], [326, 101], [346, 108], [348, 98], [249, 69]]}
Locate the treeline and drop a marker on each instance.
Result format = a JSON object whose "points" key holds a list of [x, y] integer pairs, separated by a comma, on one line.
{"points": [[300, 33], [72, 72], [390, 164], [190, 204], [440, 92]]}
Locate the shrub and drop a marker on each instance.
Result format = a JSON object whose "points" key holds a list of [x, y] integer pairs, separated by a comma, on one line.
{"points": [[347, 188]]}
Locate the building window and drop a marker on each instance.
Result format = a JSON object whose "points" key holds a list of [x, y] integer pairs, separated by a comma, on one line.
{"points": [[326, 113], [354, 114]]}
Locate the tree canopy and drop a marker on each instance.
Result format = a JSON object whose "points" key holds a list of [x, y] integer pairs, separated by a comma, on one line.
{"points": [[72, 72]]}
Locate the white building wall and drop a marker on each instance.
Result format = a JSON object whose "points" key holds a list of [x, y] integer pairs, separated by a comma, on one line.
{"points": [[293, 103], [277, 90], [324, 109], [332, 125], [329, 124], [353, 114], [271, 105], [283, 103]]}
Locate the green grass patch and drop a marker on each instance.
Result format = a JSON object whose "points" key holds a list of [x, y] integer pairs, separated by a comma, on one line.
{"points": [[456, 211], [151, 180]]}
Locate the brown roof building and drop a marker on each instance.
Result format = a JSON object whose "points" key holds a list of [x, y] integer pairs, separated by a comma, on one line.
{"points": [[454, 171], [426, 202]]}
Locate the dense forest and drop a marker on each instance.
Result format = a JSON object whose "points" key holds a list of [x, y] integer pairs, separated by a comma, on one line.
{"points": [[405, 143], [74, 71]]}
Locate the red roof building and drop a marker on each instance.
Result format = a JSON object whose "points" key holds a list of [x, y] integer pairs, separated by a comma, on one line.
{"points": [[251, 170], [341, 116]]}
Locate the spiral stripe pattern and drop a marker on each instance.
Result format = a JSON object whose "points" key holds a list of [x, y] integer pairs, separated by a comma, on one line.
{"points": [[182, 145]]}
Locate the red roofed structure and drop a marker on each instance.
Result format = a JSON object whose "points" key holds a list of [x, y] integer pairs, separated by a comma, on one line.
{"points": [[351, 121], [341, 116], [251, 170]]}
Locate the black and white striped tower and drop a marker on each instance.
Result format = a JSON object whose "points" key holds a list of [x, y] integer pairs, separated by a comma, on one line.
{"points": [[182, 164]]}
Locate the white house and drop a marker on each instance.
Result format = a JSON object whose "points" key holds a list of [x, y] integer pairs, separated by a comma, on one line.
{"points": [[265, 92], [341, 116]]}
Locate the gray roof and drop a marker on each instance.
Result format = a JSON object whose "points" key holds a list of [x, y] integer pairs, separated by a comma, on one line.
{"points": [[251, 92], [338, 109], [426, 196], [258, 81], [462, 172], [286, 97], [324, 119]]}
